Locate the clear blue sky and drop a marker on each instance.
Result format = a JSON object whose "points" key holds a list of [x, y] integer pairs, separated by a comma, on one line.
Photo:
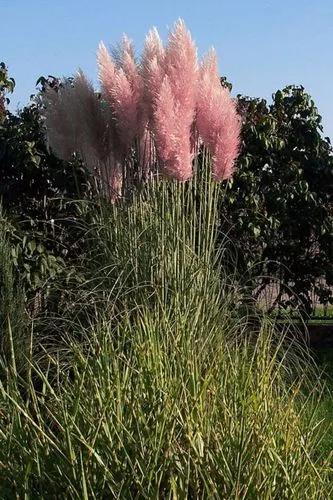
{"points": [[262, 44]]}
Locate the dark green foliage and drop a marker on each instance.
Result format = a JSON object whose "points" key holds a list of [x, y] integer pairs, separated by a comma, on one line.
{"points": [[278, 211], [12, 315], [38, 194], [6, 85]]}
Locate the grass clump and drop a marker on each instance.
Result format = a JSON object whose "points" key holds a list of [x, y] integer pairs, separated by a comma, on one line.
{"points": [[163, 408], [160, 387]]}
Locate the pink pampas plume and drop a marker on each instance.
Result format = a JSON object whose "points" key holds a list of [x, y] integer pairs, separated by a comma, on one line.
{"points": [[174, 106], [152, 71], [171, 138], [126, 60], [122, 88], [153, 48], [131, 69], [106, 68], [152, 74], [217, 120], [181, 66], [164, 121], [125, 105]]}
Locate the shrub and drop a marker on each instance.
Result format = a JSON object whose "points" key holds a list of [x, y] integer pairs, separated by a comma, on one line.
{"points": [[38, 194], [278, 210]]}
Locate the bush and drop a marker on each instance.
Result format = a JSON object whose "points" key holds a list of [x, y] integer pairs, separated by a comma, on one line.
{"points": [[38, 194], [278, 210]]}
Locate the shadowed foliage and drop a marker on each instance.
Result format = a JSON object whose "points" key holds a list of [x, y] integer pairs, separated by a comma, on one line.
{"points": [[278, 210]]}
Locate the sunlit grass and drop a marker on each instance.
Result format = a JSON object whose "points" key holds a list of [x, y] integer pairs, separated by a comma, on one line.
{"points": [[155, 382]]}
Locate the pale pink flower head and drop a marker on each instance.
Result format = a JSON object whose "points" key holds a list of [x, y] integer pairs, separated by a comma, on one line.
{"points": [[106, 69], [122, 87], [171, 137], [228, 141], [152, 71], [174, 106], [153, 48], [209, 65], [125, 104], [130, 67], [217, 120], [164, 121], [181, 66]]}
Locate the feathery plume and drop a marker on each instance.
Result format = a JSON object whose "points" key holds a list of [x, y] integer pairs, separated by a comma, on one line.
{"points": [[96, 125], [130, 68], [172, 127], [171, 138], [217, 120], [181, 66], [106, 68], [62, 125], [77, 121], [125, 105], [152, 71], [153, 48], [122, 88]]}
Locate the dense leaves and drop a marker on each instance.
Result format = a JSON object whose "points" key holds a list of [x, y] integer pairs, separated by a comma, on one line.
{"points": [[37, 192], [278, 211], [7, 85]]}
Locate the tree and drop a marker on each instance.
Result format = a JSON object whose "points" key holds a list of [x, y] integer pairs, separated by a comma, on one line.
{"points": [[278, 210]]}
